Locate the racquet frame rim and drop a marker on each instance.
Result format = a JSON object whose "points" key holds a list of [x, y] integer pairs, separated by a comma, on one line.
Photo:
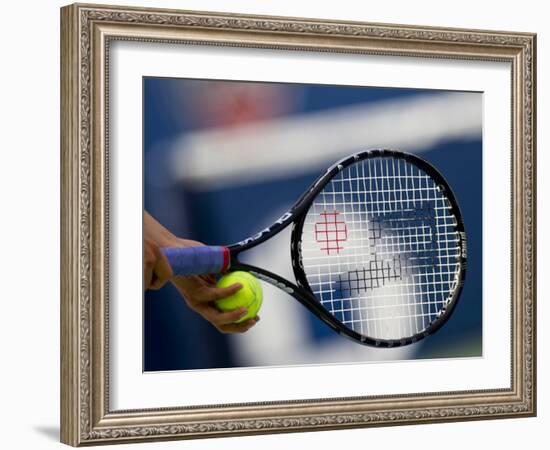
{"points": [[302, 208]]}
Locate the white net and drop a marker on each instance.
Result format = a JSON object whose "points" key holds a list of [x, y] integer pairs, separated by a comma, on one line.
{"points": [[380, 248]]}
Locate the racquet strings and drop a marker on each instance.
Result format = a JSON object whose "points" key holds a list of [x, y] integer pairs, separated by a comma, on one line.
{"points": [[380, 248]]}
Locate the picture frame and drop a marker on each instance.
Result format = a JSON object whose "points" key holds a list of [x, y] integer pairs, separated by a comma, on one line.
{"points": [[87, 33]]}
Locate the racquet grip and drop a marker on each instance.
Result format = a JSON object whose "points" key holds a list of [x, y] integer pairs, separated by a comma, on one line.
{"points": [[197, 260]]}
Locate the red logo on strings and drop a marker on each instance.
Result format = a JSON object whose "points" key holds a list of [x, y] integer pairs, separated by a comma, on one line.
{"points": [[331, 232]]}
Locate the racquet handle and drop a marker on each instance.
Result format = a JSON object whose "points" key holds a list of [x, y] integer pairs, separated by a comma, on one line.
{"points": [[197, 260]]}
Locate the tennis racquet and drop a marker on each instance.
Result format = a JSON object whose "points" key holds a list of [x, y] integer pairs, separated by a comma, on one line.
{"points": [[378, 249]]}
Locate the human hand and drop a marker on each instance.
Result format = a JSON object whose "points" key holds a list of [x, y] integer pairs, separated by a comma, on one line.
{"points": [[156, 268], [199, 291]]}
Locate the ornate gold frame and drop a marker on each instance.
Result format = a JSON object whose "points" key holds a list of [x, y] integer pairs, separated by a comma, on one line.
{"points": [[86, 31]]}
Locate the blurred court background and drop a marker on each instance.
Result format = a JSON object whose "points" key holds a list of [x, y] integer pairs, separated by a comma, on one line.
{"points": [[224, 159]]}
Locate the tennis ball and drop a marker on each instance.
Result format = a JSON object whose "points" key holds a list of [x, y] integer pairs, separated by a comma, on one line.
{"points": [[250, 296]]}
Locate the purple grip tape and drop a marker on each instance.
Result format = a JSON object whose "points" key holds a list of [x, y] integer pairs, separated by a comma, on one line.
{"points": [[197, 260]]}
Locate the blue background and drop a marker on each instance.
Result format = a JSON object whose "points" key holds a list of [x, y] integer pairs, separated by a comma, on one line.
{"points": [[175, 337]]}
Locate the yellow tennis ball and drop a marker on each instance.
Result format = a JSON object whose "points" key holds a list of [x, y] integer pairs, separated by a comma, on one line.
{"points": [[250, 296]]}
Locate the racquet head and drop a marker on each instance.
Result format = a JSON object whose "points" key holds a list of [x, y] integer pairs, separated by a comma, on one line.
{"points": [[380, 244]]}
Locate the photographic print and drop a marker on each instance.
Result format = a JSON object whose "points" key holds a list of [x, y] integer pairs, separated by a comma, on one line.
{"points": [[341, 211], [381, 249]]}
